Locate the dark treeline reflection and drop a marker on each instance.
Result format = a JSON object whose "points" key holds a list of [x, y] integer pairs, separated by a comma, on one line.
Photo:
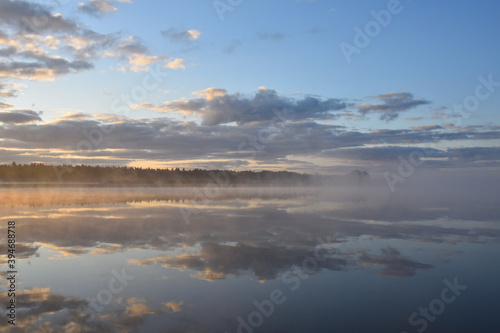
{"points": [[93, 196]]}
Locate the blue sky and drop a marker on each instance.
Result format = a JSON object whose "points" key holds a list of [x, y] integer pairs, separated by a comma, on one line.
{"points": [[227, 67]]}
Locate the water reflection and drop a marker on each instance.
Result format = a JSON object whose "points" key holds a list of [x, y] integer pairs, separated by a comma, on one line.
{"points": [[76, 248]]}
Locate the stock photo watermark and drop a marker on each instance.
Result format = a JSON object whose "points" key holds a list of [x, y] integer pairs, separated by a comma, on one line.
{"points": [[292, 279], [105, 296], [363, 37], [12, 272], [437, 306], [223, 6]]}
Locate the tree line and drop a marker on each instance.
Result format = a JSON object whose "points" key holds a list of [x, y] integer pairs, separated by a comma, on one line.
{"points": [[123, 175]]}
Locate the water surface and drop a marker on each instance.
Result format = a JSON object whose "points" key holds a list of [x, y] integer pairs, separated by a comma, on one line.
{"points": [[251, 260]]}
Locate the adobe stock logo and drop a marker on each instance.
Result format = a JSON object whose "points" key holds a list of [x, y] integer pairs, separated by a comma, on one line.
{"points": [[221, 7], [105, 296], [437, 306], [372, 29], [310, 266]]}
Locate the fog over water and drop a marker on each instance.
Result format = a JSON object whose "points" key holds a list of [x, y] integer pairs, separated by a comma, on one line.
{"points": [[255, 259]]}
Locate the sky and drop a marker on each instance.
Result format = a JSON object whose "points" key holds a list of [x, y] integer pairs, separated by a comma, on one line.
{"points": [[312, 86]]}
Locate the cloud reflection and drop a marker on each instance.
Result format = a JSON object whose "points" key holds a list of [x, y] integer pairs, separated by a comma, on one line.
{"points": [[265, 261], [264, 231], [41, 310], [394, 264], [259, 234]]}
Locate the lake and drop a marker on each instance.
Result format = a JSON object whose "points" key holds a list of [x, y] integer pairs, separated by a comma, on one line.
{"points": [[250, 260]]}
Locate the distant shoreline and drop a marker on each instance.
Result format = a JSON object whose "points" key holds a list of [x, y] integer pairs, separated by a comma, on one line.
{"points": [[40, 175]]}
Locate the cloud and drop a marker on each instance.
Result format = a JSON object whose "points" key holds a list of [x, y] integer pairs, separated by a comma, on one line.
{"points": [[426, 127], [176, 63], [39, 45], [137, 307], [5, 105], [23, 251], [131, 45], [142, 62], [179, 35], [394, 264], [8, 90], [475, 154], [445, 115], [45, 311], [264, 129], [216, 107], [390, 157], [139, 58], [173, 306], [34, 39], [235, 43], [44, 68], [99, 7], [216, 261], [314, 30], [264, 35], [32, 18], [272, 139], [393, 104], [136, 53], [19, 116], [379, 154]]}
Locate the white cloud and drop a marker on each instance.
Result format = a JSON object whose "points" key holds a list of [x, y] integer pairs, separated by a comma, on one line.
{"points": [[99, 7], [194, 34], [176, 63]]}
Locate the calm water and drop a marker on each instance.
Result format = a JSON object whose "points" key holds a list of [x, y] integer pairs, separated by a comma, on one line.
{"points": [[251, 260]]}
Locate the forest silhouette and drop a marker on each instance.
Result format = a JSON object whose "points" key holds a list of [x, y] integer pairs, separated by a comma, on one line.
{"points": [[38, 173]]}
